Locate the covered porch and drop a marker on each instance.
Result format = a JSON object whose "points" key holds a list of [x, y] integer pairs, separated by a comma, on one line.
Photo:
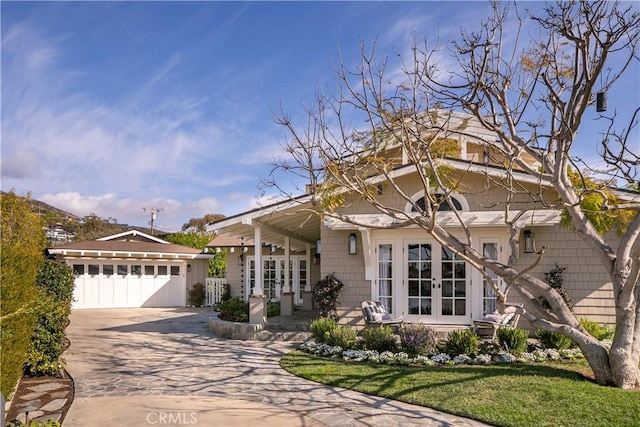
{"points": [[273, 254]]}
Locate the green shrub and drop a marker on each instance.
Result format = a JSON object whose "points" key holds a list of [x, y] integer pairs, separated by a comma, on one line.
{"points": [[598, 331], [32, 423], [461, 342], [22, 243], [273, 309], [379, 338], [55, 284], [196, 296], [321, 327], [325, 295], [342, 336], [233, 310], [513, 340], [417, 339], [555, 340]]}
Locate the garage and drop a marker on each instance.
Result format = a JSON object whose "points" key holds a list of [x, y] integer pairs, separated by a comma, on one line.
{"points": [[132, 269]]}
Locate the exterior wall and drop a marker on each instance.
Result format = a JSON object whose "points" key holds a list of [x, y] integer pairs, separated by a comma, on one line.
{"points": [[197, 271], [585, 278], [349, 269]]}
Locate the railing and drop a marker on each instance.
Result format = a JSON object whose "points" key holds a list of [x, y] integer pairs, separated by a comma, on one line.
{"points": [[215, 290]]}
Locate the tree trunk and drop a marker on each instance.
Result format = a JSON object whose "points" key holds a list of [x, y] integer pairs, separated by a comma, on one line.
{"points": [[624, 368], [598, 359]]}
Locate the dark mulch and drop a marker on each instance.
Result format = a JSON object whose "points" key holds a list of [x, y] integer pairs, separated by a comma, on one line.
{"points": [[28, 403]]}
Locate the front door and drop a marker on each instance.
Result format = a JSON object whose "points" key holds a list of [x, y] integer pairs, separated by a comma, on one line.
{"points": [[436, 284], [273, 269]]}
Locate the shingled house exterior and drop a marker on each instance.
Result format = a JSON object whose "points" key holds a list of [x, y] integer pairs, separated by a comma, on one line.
{"points": [[405, 268]]}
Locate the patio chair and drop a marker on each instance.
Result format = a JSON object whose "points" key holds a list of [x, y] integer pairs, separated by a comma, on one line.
{"points": [[375, 314], [496, 320]]}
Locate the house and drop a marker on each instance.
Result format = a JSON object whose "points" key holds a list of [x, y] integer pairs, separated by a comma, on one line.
{"points": [[405, 268], [132, 269]]}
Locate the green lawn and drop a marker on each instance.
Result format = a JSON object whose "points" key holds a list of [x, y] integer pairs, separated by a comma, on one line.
{"points": [[552, 394]]}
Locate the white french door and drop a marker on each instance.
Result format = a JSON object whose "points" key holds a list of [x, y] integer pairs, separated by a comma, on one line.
{"points": [[273, 269], [436, 284]]}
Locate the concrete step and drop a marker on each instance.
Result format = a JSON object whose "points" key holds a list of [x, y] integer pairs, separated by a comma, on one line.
{"points": [[267, 335]]}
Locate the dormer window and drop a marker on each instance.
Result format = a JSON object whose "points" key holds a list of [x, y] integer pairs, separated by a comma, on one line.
{"points": [[457, 200]]}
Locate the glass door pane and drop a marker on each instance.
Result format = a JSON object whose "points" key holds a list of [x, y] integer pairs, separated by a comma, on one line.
{"points": [[489, 296], [420, 279], [454, 284], [385, 276]]}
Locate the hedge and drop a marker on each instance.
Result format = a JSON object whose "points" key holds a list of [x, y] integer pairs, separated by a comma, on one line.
{"points": [[55, 283], [22, 244]]}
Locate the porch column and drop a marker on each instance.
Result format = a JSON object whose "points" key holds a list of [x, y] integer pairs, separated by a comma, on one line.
{"points": [[307, 294], [257, 300], [286, 302]]}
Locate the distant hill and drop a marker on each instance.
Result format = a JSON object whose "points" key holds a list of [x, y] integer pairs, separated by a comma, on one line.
{"points": [[85, 228]]}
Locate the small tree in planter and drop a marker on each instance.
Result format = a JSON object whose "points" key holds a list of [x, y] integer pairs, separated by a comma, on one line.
{"points": [[325, 295], [197, 295]]}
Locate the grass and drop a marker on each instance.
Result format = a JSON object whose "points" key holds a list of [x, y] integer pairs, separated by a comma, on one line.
{"points": [[552, 394]]}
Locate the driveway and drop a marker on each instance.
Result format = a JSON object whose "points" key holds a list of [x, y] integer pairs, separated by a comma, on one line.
{"points": [[136, 367]]}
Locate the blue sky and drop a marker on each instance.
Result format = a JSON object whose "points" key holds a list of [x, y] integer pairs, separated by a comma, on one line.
{"points": [[109, 107]]}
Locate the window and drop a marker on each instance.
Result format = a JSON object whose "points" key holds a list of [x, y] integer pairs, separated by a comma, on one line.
{"points": [[489, 296], [385, 276], [78, 269], [136, 270], [123, 270], [162, 270], [444, 206], [175, 270], [148, 270], [107, 270], [94, 269]]}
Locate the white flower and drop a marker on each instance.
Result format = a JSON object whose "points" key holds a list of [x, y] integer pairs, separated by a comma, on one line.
{"points": [[506, 358], [527, 357], [553, 354], [461, 359], [539, 355], [482, 359], [441, 358]]}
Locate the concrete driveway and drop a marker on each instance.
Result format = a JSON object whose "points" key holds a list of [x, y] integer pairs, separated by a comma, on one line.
{"points": [[137, 367]]}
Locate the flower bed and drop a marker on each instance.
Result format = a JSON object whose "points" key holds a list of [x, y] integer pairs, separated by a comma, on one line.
{"points": [[402, 358]]}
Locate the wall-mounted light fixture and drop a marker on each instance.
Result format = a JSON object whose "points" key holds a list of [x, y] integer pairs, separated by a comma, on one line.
{"points": [[352, 244], [189, 268], [316, 259], [528, 241], [601, 102], [318, 246]]}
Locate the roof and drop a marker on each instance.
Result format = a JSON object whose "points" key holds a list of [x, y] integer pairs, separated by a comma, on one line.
{"points": [[543, 217], [229, 241], [300, 220], [132, 243]]}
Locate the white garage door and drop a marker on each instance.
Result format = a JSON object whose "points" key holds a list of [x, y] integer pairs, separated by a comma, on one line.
{"points": [[114, 284]]}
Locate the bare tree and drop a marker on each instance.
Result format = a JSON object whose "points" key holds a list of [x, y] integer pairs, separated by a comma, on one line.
{"points": [[533, 98]]}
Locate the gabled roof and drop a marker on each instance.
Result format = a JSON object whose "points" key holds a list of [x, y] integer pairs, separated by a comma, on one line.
{"points": [[133, 233], [298, 218], [130, 244]]}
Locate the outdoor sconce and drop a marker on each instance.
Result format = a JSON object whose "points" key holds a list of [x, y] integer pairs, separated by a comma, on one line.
{"points": [[528, 241], [601, 102], [316, 259], [353, 244], [241, 260], [189, 268]]}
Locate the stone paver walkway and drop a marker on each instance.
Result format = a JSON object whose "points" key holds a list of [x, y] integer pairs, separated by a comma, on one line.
{"points": [[41, 399], [142, 363]]}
